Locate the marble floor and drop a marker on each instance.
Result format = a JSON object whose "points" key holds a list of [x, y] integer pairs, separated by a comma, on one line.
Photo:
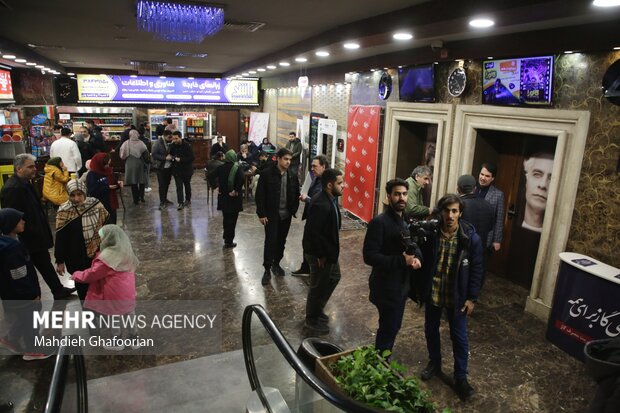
{"points": [[512, 366]]}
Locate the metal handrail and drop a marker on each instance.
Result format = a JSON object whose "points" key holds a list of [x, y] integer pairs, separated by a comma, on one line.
{"points": [[338, 400], [59, 379]]}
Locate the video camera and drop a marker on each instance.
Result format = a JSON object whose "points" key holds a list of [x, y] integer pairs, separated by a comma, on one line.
{"points": [[420, 230]]}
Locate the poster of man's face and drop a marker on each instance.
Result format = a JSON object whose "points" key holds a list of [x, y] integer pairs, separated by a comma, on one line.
{"points": [[537, 169]]}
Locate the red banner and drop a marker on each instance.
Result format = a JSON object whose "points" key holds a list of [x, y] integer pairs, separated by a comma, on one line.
{"points": [[361, 160], [6, 91]]}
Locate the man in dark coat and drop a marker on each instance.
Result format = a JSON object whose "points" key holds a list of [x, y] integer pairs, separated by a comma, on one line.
{"points": [[277, 201], [494, 196], [453, 274], [321, 243], [477, 211], [162, 163], [96, 136], [182, 156], [319, 165], [230, 200], [393, 257], [294, 145], [18, 193]]}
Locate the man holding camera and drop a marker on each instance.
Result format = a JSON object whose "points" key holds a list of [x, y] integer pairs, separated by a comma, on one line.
{"points": [[393, 256], [453, 275]]}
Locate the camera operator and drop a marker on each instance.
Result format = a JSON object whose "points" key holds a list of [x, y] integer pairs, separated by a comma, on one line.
{"points": [[453, 274], [385, 248]]}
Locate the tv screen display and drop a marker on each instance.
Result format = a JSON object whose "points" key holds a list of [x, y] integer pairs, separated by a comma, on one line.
{"points": [[522, 81], [417, 83]]}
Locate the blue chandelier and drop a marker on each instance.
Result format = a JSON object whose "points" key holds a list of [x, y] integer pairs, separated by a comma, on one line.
{"points": [[176, 22]]}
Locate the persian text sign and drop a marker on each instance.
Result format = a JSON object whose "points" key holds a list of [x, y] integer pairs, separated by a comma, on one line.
{"points": [[6, 90], [111, 88]]}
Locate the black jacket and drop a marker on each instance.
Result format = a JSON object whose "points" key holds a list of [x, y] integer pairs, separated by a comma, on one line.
{"points": [[316, 187], [19, 194], [219, 148], [268, 193], [390, 279], [225, 202], [185, 153], [159, 153], [480, 214], [18, 278], [321, 237]]}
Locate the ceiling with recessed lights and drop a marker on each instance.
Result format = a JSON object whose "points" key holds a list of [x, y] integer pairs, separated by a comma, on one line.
{"points": [[269, 37]]}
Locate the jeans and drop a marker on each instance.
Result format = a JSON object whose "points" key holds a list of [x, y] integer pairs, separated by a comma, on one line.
{"points": [[390, 320], [457, 321], [164, 176], [276, 232], [183, 181], [323, 282]]}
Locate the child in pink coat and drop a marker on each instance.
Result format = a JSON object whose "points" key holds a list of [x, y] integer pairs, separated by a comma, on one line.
{"points": [[111, 277]]}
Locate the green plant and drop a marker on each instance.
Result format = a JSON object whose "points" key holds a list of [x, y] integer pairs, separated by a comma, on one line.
{"points": [[367, 377]]}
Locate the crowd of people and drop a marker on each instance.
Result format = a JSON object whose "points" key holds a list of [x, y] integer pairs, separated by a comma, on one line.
{"points": [[441, 268]]}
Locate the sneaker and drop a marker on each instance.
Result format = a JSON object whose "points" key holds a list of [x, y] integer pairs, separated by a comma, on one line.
{"points": [[266, 278], [180, 206], [114, 348], [432, 368], [303, 270], [4, 343], [148, 189], [231, 245], [66, 292], [316, 327], [35, 356], [463, 389], [277, 270], [163, 206]]}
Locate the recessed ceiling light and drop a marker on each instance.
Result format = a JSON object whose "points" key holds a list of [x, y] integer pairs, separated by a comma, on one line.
{"points": [[31, 64], [162, 77], [8, 56], [435, 63], [606, 3], [283, 64], [617, 48], [386, 68], [400, 67], [373, 70], [191, 78], [402, 36], [20, 60], [351, 46], [271, 67], [301, 59], [70, 74], [133, 75], [260, 69], [181, 67], [39, 66], [245, 74], [252, 72], [481, 23], [47, 68], [322, 53], [568, 52], [489, 57]]}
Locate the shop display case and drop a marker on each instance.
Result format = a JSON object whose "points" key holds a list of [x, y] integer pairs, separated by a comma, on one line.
{"points": [[108, 118]]}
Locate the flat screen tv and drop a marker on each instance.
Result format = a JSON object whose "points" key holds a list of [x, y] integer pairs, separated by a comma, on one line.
{"points": [[520, 81], [417, 83]]}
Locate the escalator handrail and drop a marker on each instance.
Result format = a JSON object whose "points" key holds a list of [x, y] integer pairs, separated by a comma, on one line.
{"points": [[337, 399], [59, 379]]}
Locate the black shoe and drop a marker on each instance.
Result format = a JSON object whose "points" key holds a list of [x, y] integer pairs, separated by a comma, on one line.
{"points": [[316, 327], [303, 270], [180, 206], [142, 200], [163, 206], [266, 278], [64, 293], [324, 318], [432, 368], [169, 202], [277, 270], [231, 245], [463, 389], [187, 204]]}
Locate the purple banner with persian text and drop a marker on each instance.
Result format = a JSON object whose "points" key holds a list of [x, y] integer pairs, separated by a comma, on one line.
{"points": [[155, 89]]}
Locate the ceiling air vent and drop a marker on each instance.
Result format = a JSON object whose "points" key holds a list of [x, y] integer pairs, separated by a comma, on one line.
{"points": [[148, 68], [250, 27], [188, 54]]}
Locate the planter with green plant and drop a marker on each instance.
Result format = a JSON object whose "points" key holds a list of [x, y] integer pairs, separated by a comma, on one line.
{"points": [[364, 375]]}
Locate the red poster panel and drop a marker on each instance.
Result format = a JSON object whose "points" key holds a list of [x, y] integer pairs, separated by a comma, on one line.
{"points": [[6, 90], [361, 160]]}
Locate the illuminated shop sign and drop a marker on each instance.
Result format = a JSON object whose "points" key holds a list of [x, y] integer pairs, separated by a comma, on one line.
{"points": [[153, 89], [6, 90]]}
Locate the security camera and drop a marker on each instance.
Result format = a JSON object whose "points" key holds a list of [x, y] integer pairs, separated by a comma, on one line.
{"points": [[436, 45]]}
